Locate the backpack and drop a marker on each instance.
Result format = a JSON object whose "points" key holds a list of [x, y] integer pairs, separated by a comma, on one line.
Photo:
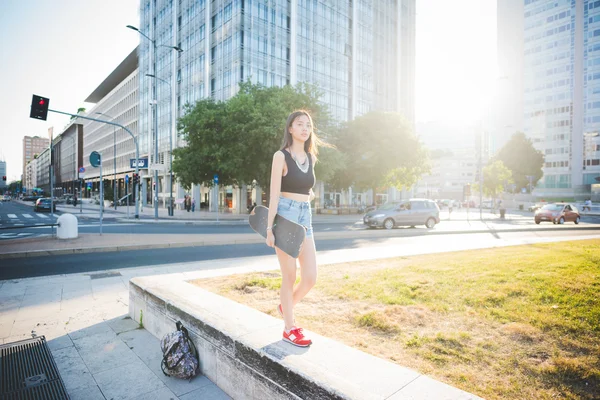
{"points": [[180, 356]]}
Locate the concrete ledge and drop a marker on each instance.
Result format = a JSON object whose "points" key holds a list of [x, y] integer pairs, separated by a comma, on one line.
{"points": [[242, 352]]}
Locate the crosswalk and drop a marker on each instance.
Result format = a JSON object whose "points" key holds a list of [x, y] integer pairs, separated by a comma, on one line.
{"points": [[28, 219]]}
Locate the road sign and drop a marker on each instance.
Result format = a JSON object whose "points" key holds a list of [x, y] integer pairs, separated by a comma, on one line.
{"points": [[82, 170], [216, 178], [142, 163], [126, 178], [95, 159], [89, 186], [81, 175]]}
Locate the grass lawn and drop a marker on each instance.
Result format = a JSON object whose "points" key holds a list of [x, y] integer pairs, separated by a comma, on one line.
{"points": [[509, 323]]}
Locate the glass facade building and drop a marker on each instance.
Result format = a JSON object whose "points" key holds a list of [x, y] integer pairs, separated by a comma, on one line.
{"points": [[360, 53], [561, 90]]}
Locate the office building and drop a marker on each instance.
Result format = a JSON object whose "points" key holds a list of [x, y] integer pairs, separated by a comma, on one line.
{"points": [[116, 100], [32, 146], [360, 54], [561, 88], [3, 183]]}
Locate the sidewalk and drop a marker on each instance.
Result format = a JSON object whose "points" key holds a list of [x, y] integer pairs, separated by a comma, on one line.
{"points": [[92, 242], [102, 354]]}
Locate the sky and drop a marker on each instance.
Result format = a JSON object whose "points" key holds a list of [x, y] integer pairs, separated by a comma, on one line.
{"points": [[63, 49]]}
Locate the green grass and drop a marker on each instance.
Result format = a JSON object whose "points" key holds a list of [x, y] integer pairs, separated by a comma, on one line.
{"points": [[515, 322]]}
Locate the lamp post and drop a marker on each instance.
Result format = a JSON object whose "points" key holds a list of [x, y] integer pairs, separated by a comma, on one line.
{"points": [[114, 159], [170, 141], [154, 46]]}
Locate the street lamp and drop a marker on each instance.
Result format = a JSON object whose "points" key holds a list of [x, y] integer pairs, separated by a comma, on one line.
{"points": [[114, 159], [154, 46], [170, 141]]}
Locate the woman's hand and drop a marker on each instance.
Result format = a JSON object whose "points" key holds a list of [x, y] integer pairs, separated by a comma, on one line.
{"points": [[270, 238]]}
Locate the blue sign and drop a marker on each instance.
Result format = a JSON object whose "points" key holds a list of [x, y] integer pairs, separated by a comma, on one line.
{"points": [[24, 191], [216, 178], [82, 170], [126, 178], [142, 163], [89, 184]]}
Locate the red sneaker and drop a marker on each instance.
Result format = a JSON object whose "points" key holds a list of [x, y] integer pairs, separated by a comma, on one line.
{"points": [[296, 337]]}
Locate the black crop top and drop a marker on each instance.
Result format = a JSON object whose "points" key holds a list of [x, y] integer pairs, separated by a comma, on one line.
{"points": [[297, 181]]}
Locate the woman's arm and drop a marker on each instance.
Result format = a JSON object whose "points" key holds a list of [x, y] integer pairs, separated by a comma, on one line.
{"points": [[276, 173]]}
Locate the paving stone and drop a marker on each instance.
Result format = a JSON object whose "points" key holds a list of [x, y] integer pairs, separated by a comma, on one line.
{"points": [[177, 386], [72, 369], [162, 394], [103, 351], [59, 342], [128, 381], [87, 393], [122, 324], [210, 392], [39, 310]]}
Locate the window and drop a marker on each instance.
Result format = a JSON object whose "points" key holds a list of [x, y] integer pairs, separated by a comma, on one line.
{"points": [[227, 13]]}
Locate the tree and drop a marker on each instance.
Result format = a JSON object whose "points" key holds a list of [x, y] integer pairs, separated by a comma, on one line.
{"points": [[79, 111], [380, 149], [495, 176], [237, 139], [522, 159]]}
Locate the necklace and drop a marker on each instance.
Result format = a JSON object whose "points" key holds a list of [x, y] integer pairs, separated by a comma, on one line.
{"points": [[304, 166]]}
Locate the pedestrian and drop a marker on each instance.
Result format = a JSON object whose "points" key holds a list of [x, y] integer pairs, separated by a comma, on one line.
{"points": [[75, 200], [193, 205], [292, 180], [188, 203]]}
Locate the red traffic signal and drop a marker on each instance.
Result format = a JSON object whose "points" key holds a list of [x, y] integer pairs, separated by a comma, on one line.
{"points": [[4, 177], [39, 107]]}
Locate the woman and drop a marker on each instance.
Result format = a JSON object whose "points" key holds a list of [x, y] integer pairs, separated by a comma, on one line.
{"points": [[292, 180]]}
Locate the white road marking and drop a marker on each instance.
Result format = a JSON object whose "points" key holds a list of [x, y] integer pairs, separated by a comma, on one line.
{"points": [[27, 216], [12, 216], [42, 216]]}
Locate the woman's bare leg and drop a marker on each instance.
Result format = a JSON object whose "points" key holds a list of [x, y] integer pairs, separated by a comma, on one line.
{"points": [[308, 270], [286, 293]]}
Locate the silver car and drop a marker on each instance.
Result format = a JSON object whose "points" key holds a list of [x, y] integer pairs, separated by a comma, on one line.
{"points": [[407, 213]]}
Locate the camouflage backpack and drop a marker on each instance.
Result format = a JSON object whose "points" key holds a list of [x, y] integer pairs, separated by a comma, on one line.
{"points": [[180, 356]]}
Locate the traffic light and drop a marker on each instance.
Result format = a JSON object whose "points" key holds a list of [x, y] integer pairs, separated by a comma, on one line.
{"points": [[135, 178], [39, 107], [4, 178]]}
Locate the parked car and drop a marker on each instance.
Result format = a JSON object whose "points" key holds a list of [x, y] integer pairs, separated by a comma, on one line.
{"points": [[6, 198], [558, 213], [43, 203], [408, 213]]}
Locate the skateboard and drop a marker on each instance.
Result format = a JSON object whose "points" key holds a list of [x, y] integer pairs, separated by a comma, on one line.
{"points": [[289, 235]]}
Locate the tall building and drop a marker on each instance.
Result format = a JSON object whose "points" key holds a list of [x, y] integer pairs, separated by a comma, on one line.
{"points": [[3, 183], [561, 89], [508, 117], [32, 146], [361, 55], [116, 99]]}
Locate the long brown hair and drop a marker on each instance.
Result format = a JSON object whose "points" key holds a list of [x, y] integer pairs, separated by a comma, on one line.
{"points": [[312, 144]]}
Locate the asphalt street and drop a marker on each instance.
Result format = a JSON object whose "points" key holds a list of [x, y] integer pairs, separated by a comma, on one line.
{"points": [[72, 263], [14, 217]]}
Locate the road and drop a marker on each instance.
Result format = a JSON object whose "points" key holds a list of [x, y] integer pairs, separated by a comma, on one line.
{"points": [[64, 264], [13, 216]]}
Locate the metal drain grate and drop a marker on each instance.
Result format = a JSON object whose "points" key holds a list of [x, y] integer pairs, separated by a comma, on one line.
{"points": [[28, 371]]}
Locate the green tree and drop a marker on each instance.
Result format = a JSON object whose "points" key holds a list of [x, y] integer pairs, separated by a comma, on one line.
{"points": [[380, 149], [495, 176], [237, 139], [522, 159], [79, 111]]}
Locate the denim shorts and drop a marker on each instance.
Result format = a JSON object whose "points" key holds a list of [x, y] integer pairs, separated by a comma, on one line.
{"points": [[296, 211]]}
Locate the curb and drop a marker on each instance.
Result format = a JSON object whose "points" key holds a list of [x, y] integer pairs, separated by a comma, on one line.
{"points": [[399, 234]]}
